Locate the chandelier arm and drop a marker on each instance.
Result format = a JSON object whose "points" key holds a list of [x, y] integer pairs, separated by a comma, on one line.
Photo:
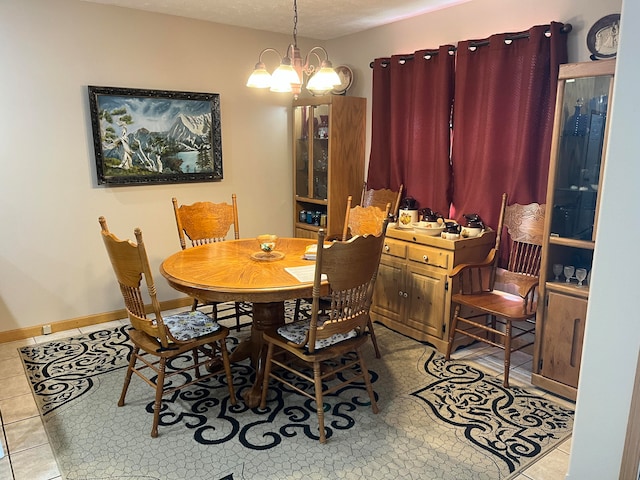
{"points": [[269, 49], [308, 67]]}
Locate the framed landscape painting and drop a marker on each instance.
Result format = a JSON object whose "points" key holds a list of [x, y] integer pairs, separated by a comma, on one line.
{"points": [[144, 137]]}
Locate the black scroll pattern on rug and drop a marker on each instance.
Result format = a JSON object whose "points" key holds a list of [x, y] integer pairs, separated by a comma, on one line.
{"points": [[205, 408], [510, 423], [61, 371]]}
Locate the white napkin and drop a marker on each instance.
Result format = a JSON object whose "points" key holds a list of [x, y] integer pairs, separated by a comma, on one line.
{"points": [[304, 273]]}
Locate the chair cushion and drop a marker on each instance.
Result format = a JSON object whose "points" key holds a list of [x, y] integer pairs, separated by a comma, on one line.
{"points": [[188, 325], [296, 331]]}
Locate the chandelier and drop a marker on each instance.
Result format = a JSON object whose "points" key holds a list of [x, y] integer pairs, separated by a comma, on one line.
{"points": [[288, 77]]}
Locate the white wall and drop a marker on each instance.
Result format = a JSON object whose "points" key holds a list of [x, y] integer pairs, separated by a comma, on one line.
{"points": [[612, 336]]}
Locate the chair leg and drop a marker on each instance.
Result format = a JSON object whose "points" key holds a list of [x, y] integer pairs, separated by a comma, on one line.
{"points": [[373, 338], [127, 378], [319, 402], [194, 306], [507, 353], [296, 311], [158, 402], [367, 381], [452, 331], [493, 327], [267, 372], [227, 370], [195, 362], [237, 316]]}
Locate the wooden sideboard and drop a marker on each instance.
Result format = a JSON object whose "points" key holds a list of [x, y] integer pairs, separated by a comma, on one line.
{"points": [[413, 292]]}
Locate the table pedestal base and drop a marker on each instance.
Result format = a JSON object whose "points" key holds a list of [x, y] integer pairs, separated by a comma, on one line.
{"points": [[265, 316]]}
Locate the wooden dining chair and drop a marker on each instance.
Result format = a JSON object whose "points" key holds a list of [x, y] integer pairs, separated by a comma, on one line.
{"points": [[358, 221], [361, 220], [156, 339], [351, 268], [208, 222], [379, 198], [498, 305]]}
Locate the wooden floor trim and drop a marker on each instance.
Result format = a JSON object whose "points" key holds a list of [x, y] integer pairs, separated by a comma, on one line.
{"points": [[79, 322]]}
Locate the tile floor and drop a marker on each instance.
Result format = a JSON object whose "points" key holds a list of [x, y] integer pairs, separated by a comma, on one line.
{"points": [[28, 456]]}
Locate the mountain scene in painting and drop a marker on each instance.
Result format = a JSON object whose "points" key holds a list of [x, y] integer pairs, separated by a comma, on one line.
{"points": [[155, 136]]}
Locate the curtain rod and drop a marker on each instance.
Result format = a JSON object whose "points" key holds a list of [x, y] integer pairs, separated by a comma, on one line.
{"points": [[566, 28]]}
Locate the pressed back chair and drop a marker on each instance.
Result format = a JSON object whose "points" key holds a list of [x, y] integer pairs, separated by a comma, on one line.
{"points": [[351, 268], [379, 198], [159, 339], [359, 221], [525, 227], [207, 222], [369, 220], [498, 305]]}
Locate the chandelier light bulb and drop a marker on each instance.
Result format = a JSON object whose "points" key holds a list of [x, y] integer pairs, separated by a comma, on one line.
{"points": [[260, 78]]}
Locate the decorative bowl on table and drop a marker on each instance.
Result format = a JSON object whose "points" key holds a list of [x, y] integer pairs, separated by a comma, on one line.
{"points": [[428, 228], [267, 244]]}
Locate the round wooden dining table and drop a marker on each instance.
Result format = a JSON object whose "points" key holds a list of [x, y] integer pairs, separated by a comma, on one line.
{"points": [[237, 270]]}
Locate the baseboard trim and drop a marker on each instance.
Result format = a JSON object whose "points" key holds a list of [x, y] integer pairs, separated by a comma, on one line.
{"points": [[79, 322]]}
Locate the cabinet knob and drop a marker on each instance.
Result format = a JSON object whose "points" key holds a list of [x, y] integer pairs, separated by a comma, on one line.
{"points": [[400, 293], [425, 258], [405, 294], [386, 248]]}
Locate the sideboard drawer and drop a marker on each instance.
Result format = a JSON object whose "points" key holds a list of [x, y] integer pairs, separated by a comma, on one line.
{"points": [[395, 249], [435, 257]]}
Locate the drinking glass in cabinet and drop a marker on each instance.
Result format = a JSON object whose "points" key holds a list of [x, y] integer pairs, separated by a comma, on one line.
{"points": [[568, 272], [581, 274], [557, 271]]}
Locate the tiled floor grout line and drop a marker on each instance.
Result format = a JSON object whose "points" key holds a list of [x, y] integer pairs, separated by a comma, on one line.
{"points": [[6, 444]]}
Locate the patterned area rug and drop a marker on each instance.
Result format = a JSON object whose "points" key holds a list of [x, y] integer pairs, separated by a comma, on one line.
{"points": [[437, 420]]}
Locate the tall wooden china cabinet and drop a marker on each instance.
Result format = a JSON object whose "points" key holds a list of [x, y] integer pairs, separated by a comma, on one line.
{"points": [[575, 177], [328, 156]]}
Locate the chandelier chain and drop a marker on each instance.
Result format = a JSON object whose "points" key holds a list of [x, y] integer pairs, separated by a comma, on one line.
{"points": [[295, 23]]}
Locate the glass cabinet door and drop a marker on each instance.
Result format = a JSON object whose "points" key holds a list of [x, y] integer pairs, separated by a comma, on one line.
{"points": [[301, 135], [320, 151], [580, 138], [311, 124]]}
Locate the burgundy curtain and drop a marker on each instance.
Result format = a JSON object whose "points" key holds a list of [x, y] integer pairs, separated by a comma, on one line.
{"points": [[503, 119], [410, 141]]}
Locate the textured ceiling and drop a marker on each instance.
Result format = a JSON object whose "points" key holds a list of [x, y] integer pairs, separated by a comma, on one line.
{"points": [[319, 19]]}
